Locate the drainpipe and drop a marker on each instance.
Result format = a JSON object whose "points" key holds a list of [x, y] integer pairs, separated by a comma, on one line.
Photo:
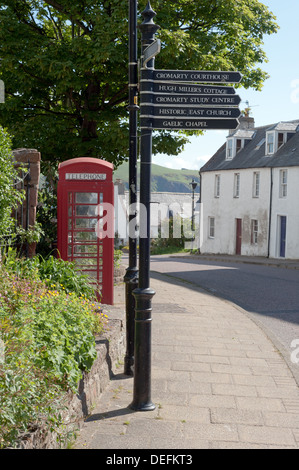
{"points": [[199, 174], [270, 210]]}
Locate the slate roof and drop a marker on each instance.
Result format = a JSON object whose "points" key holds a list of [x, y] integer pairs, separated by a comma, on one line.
{"points": [[253, 153]]}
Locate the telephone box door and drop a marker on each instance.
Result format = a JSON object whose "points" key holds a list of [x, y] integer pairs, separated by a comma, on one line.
{"points": [[85, 220]]}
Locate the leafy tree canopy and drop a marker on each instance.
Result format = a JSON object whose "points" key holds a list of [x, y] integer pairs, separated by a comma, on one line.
{"points": [[65, 66]]}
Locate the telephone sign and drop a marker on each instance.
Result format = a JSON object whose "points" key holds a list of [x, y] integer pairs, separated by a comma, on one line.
{"points": [[85, 219]]}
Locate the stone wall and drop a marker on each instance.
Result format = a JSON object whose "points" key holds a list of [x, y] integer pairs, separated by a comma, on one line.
{"points": [[110, 350]]}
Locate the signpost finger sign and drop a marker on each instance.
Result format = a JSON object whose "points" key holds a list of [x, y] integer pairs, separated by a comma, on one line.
{"points": [[177, 95], [197, 76]]}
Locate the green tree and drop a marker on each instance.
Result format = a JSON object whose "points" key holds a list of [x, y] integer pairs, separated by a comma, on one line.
{"points": [[65, 66], [10, 197]]}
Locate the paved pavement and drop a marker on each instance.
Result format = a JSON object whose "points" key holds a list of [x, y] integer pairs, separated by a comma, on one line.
{"points": [[268, 293], [261, 260], [217, 381]]}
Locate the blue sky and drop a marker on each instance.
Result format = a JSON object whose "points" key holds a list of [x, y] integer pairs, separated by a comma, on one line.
{"points": [[279, 98]]}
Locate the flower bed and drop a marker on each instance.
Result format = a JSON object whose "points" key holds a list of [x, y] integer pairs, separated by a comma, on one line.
{"points": [[47, 338]]}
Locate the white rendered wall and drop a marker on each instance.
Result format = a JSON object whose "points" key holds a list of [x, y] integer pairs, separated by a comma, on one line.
{"points": [[226, 209], [289, 207]]}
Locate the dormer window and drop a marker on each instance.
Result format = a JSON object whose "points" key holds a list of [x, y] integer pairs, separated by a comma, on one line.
{"points": [[239, 145], [278, 135], [281, 139], [275, 140], [233, 146], [229, 149], [236, 142], [270, 143]]}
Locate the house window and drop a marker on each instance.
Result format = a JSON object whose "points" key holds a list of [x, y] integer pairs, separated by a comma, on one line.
{"points": [[270, 143], [238, 145], [217, 185], [229, 149], [211, 227], [256, 184], [237, 185], [275, 140], [237, 141], [283, 183], [254, 231], [281, 139]]}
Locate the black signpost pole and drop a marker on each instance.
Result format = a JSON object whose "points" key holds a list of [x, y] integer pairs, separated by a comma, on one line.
{"points": [[131, 276], [144, 294], [175, 100]]}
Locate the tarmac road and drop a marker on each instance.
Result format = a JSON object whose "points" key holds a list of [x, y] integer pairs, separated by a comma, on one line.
{"points": [[270, 294]]}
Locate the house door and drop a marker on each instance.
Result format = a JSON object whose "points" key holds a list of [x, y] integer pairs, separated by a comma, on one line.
{"points": [[283, 232], [238, 236]]}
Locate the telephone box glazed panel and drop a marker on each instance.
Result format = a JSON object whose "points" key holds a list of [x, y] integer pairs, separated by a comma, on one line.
{"points": [[85, 220]]}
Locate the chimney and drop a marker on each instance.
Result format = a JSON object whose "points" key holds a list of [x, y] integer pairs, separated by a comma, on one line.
{"points": [[246, 122]]}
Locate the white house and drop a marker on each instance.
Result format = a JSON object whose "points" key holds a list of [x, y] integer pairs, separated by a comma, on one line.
{"points": [[163, 206], [248, 193]]}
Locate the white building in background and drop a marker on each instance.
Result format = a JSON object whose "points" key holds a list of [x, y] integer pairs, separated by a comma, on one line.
{"points": [[249, 193], [120, 213], [163, 206]]}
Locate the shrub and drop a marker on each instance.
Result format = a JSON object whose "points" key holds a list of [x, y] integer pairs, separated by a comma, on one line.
{"points": [[63, 328], [64, 274], [48, 338], [28, 394], [171, 236], [46, 214], [117, 258]]}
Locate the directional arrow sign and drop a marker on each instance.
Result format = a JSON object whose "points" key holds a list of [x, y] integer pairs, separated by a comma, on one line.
{"points": [[195, 100], [178, 112], [188, 123], [196, 76], [151, 51], [198, 89]]}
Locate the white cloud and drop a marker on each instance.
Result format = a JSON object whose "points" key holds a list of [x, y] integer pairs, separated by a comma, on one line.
{"points": [[192, 162]]}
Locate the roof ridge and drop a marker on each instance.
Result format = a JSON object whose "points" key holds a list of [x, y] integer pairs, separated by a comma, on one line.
{"points": [[253, 155]]}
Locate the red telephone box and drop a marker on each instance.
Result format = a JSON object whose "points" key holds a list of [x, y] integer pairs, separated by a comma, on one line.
{"points": [[85, 220]]}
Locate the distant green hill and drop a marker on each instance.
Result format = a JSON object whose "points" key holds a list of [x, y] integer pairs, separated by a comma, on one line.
{"points": [[163, 179]]}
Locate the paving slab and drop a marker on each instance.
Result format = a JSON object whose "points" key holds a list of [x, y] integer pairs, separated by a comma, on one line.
{"points": [[218, 382]]}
